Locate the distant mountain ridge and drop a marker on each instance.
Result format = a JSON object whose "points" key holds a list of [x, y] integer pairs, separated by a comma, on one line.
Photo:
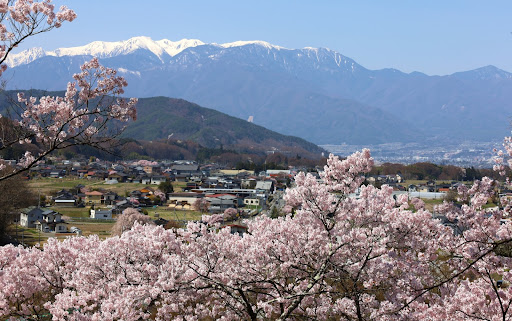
{"points": [[315, 93], [164, 118]]}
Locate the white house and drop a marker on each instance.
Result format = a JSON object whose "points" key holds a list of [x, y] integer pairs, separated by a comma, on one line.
{"points": [[101, 214], [43, 219], [254, 201]]}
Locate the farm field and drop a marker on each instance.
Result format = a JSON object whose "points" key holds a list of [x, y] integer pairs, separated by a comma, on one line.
{"points": [[171, 214], [47, 186]]}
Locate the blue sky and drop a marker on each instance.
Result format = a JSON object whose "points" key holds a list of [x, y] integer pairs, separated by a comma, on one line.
{"points": [[434, 37]]}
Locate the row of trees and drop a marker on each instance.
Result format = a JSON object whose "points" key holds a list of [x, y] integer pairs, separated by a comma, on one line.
{"points": [[433, 171]]}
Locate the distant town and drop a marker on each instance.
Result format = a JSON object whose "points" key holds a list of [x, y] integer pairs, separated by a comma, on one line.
{"points": [[466, 154]]}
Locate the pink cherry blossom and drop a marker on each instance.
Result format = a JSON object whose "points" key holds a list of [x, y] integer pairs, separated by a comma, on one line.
{"points": [[59, 122], [90, 103], [336, 258]]}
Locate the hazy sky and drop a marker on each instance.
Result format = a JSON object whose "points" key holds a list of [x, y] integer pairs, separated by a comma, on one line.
{"points": [[434, 37]]}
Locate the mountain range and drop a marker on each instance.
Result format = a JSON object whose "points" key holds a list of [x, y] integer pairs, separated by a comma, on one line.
{"points": [[314, 93]]}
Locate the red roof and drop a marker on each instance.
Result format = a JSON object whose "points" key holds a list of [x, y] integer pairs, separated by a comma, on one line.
{"points": [[219, 195], [94, 193]]}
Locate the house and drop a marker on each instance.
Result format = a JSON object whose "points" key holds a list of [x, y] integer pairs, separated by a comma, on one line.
{"points": [[120, 177], [183, 172], [135, 194], [185, 200], [152, 169], [97, 174], [51, 222], [109, 197], [94, 198], [234, 172], [248, 183], [43, 219], [146, 191], [277, 172], [426, 189], [188, 169], [121, 205], [181, 177], [157, 179], [29, 216], [190, 186], [65, 200], [266, 186], [145, 180], [220, 202], [218, 205], [57, 173], [99, 214], [251, 201]]}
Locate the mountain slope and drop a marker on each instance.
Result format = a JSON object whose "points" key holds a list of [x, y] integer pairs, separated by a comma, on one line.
{"points": [[162, 118]]}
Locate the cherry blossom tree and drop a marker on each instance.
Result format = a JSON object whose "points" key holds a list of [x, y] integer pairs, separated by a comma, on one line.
{"points": [[230, 214], [126, 220], [20, 19], [161, 195], [82, 117], [337, 257], [202, 205], [86, 114]]}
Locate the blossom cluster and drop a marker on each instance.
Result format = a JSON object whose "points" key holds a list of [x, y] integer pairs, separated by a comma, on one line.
{"points": [[20, 19], [84, 116], [81, 114], [81, 117]]}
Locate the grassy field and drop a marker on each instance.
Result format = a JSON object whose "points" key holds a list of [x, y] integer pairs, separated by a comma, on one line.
{"points": [[170, 214], [72, 211], [48, 186], [51, 185], [31, 236], [102, 229]]}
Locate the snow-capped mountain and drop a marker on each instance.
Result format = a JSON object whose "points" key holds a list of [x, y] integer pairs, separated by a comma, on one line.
{"points": [[315, 93], [103, 49]]}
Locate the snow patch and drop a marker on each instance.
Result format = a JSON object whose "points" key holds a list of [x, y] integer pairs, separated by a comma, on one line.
{"points": [[25, 57], [253, 42], [126, 71]]}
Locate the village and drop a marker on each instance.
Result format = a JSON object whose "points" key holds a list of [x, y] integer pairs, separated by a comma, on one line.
{"points": [[85, 197], [78, 197]]}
